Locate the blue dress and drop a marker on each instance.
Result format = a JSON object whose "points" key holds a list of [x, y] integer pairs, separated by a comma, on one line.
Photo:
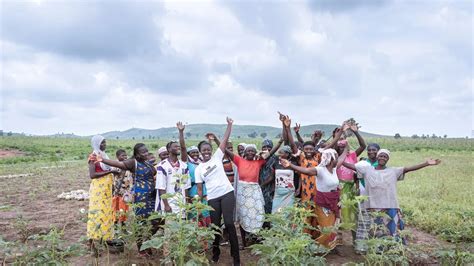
{"points": [[143, 189]]}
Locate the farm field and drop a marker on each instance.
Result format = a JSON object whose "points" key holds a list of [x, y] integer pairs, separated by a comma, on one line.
{"points": [[437, 201]]}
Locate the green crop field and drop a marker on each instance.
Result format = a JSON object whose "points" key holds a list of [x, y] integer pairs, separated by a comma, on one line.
{"points": [[437, 200]]}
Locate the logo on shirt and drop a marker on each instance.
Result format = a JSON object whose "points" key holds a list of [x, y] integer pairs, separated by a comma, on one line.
{"points": [[209, 170]]}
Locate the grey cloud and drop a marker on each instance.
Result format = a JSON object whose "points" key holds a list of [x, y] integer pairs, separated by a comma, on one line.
{"points": [[345, 5], [82, 29]]}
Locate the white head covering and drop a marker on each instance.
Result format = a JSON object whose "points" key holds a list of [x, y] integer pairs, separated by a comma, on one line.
{"points": [[161, 150], [242, 144], [326, 156], [192, 148], [95, 143], [250, 146], [383, 151]]}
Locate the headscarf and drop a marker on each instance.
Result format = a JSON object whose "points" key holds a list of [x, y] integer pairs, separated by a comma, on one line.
{"points": [[286, 149], [250, 146], [191, 149], [342, 143], [242, 144], [267, 142], [383, 151], [373, 145], [95, 143], [326, 156], [161, 150]]}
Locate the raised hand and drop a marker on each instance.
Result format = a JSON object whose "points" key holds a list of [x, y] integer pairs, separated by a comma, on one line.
{"points": [[229, 121], [354, 127], [345, 126], [211, 136], [287, 121], [282, 116], [95, 158], [297, 127], [285, 163], [180, 126], [318, 134], [433, 161]]}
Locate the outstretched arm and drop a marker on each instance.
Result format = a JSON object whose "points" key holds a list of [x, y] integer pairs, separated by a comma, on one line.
{"points": [[265, 155], [182, 144], [223, 144], [307, 171], [316, 137], [93, 174], [430, 162], [361, 141], [297, 132], [212, 137]]}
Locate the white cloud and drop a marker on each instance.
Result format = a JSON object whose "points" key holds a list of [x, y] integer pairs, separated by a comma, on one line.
{"points": [[394, 66]]}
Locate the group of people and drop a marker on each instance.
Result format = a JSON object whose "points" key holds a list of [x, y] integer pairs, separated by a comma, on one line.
{"points": [[242, 187]]}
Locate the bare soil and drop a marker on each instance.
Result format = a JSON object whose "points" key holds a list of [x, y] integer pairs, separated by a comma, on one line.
{"points": [[10, 153], [34, 199]]}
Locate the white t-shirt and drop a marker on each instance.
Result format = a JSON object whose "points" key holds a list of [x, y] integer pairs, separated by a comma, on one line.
{"points": [[213, 174], [326, 182], [381, 185], [169, 178]]}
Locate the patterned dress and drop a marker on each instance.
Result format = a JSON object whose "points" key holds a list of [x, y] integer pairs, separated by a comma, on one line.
{"points": [[101, 217], [308, 191], [143, 188]]}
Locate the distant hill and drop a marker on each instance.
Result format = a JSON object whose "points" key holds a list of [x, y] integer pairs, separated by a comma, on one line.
{"points": [[197, 131]]}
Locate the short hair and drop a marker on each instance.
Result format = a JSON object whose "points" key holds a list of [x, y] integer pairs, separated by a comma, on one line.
{"points": [[120, 151], [309, 143], [168, 145], [204, 142]]}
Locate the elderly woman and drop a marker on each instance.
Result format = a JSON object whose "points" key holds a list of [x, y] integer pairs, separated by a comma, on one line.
{"points": [[327, 195], [381, 188]]}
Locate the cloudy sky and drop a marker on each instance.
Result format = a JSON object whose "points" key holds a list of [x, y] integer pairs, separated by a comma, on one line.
{"points": [[88, 67]]}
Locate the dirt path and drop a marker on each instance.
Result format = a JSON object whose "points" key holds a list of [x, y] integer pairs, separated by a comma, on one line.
{"points": [[34, 199]]}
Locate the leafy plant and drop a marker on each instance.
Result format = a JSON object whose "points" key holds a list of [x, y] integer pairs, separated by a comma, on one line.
{"points": [[182, 239], [286, 243]]}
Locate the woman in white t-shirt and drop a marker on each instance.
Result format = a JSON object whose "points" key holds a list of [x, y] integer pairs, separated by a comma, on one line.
{"points": [[327, 195], [220, 193]]}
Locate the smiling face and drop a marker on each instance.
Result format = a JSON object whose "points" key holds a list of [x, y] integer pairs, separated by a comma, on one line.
{"points": [[206, 152], [372, 153], [308, 151], [194, 155], [122, 156], [103, 145], [142, 153], [174, 149], [240, 150], [266, 148], [250, 154], [382, 159]]}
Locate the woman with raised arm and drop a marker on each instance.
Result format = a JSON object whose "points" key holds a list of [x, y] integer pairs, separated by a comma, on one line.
{"points": [[250, 203], [327, 195], [220, 192], [191, 157], [143, 183], [381, 188], [100, 222]]}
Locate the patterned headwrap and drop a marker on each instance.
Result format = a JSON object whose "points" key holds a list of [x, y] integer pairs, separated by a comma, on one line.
{"points": [[95, 143], [387, 152], [326, 156], [286, 149], [267, 142], [373, 145]]}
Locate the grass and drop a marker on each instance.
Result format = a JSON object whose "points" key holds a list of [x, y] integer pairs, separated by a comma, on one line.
{"points": [[435, 199]]}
